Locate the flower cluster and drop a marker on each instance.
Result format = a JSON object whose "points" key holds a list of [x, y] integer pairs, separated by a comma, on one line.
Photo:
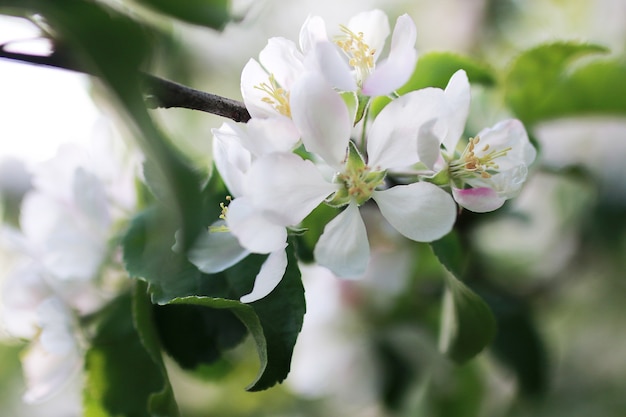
{"points": [[311, 141], [62, 249]]}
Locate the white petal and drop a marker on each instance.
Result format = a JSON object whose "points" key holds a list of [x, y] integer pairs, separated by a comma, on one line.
{"points": [[343, 247], [393, 137], [327, 60], [281, 58], [214, 252], [313, 31], [420, 211], [253, 230], [47, 373], [375, 28], [91, 199], [286, 187], [508, 133], [396, 70], [277, 134], [231, 158], [428, 149], [478, 200], [270, 275], [253, 75], [457, 95], [322, 118]]}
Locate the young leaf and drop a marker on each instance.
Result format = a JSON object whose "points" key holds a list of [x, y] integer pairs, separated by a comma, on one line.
{"points": [[468, 325], [544, 83], [122, 377], [450, 253], [471, 325]]}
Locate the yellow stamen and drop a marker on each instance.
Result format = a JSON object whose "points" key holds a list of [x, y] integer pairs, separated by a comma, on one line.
{"points": [[469, 164], [360, 55], [277, 96]]}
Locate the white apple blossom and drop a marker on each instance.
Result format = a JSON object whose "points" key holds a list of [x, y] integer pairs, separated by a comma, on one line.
{"points": [[494, 164], [265, 84], [244, 228], [287, 188], [349, 61]]}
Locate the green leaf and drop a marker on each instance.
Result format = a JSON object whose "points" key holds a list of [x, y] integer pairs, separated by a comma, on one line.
{"points": [[450, 253], [469, 325], [547, 82], [160, 403], [122, 376], [174, 280], [434, 69], [211, 13], [195, 335], [518, 343], [274, 323]]}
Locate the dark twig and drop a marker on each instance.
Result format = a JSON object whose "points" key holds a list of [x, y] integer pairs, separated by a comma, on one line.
{"points": [[166, 94], [159, 92]]}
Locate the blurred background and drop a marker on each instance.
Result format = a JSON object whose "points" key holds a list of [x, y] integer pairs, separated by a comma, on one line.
{"points": [[550, 264]]}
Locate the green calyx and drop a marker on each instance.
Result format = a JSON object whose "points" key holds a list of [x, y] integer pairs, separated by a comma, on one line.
{"points": [[357, 180]]}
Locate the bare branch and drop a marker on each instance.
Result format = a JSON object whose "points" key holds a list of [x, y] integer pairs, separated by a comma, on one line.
{"points": [[159, 92]]}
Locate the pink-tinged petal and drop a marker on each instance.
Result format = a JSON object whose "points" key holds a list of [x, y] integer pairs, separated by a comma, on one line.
{"points": [[328, 61], [394, 136], [286, 187], [396, 70], [253, 230], [343, 247], [253, 75], [313, 31], [322, 118], [270, 275], [215, 251], [457, 95], [478, 200], [281, 58], [277, 134], [374, 25], [231, 158], [420, 211]]}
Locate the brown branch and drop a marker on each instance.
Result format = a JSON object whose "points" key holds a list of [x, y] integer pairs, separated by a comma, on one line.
{"points": [[159, 92], [166, 94]]}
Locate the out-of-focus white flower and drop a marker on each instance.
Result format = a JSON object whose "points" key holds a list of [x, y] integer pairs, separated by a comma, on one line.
{"points": [[63, 252], [54, 356], [420, 211], [333, 357], [361, 42], [493, 166]]}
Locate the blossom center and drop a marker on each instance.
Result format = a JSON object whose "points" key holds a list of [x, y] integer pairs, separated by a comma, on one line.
{"points": [[469, 164], [357, 181], [360, 55], [277, 96]]}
